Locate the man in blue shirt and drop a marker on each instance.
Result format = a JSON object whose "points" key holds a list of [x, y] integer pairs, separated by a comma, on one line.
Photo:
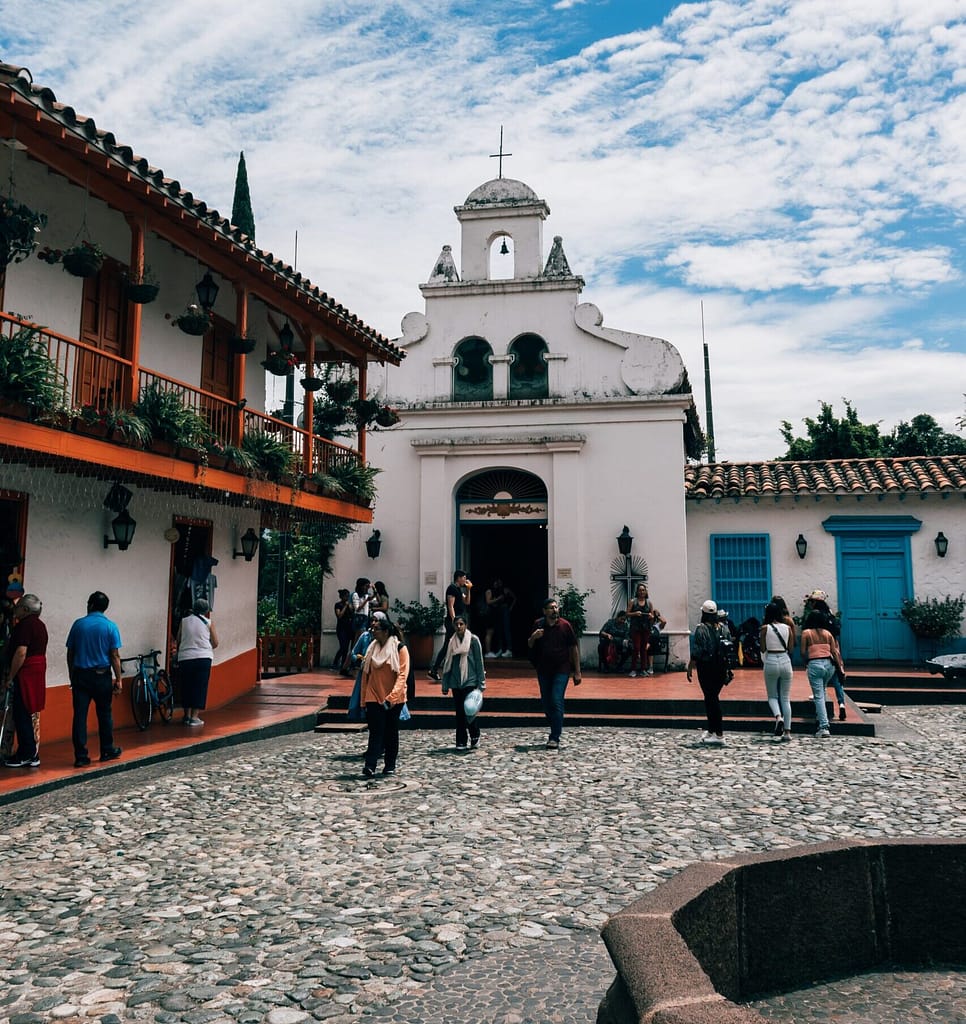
{"points": [[93, 656]]}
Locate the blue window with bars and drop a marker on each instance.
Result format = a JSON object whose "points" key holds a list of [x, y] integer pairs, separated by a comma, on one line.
{"points": [[741, 574]]}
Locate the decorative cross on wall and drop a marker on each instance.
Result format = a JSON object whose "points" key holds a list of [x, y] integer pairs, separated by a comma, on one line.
{"points": [[626, 572], [501, 154]]}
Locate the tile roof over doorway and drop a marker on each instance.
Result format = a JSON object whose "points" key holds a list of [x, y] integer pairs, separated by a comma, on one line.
{"points": [[835, 477]]}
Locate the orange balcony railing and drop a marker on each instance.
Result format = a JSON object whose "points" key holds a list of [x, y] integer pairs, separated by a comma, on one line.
{"points": [[90, 376]]}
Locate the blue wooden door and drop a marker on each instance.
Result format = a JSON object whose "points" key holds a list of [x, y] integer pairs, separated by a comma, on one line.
{"points": [[873, 587]]}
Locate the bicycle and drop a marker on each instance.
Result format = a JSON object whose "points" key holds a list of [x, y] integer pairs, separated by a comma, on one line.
{"points": [[151, 689]]}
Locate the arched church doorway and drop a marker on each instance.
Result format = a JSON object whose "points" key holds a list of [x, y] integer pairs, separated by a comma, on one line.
{"points": [[502, 533]]}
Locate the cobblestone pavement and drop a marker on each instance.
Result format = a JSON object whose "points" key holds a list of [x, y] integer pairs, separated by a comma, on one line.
{"points": [[269, 883]]}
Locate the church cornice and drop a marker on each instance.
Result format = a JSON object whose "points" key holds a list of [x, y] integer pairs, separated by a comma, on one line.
{"points": [[507, 286], [482, 443]]}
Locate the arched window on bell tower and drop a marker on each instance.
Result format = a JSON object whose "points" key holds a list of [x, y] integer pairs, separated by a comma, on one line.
{"points": [[502, 258], [528, 369], [472, 372]]}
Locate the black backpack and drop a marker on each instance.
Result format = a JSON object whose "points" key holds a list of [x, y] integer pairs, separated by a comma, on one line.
{"points": [[726, 650]]}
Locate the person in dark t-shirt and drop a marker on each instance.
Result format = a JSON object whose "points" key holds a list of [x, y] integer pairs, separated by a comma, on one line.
{"points": [[555, 653], [457, 598]]}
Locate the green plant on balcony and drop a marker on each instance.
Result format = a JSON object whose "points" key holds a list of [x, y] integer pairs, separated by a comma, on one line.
{"points": [[169, 419], [234, 458], [28, 375], [325, 483], [272, 457], [83, 260], [19, 227], [357, 479], [116, 422], [934, 618]]}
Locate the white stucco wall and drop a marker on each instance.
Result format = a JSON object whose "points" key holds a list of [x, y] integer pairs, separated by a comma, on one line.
{"points": [[65, 561], [793, 577]]}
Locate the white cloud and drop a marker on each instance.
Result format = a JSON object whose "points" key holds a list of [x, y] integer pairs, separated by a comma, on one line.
{"points": [[796, 162]]}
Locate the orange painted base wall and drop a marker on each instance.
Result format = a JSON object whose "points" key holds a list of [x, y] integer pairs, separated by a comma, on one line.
{"points": [[229, 680]]}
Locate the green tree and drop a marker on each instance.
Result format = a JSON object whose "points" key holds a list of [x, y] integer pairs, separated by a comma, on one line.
{"points": [[833, 438], [923, 436], [290, 573], [241, 207]]}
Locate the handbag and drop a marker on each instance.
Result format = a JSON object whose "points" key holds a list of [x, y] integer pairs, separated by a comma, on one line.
{"points": [[472, 704]]}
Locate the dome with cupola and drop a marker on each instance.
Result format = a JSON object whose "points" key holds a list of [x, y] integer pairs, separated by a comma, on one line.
{"points": [[500, 192]]}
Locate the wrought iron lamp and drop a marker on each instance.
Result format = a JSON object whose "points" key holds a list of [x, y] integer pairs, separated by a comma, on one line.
{"points": [[624, 541], [122, 526], [249, 545], [801, 545], [207, 292], [942, 544], [286, 337], [374, 544]]}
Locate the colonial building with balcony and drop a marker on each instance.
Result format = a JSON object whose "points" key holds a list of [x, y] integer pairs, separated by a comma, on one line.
{"points": [[138, 300]]}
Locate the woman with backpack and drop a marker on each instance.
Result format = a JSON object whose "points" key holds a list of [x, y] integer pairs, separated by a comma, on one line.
{"points": [[713, 670]]}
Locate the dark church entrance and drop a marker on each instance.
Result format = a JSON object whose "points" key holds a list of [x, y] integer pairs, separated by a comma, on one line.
{"points": [[503, 534]]}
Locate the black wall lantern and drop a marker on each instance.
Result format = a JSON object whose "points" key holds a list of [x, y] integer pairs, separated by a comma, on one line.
{"points": [[286, 337], [249, 545], [207, 292], [942, 544], [374, 544], [801, 546], [624, 541], [122, 527]]}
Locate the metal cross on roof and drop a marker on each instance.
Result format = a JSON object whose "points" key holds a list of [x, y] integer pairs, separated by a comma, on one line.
{"points": [[501, 154]]}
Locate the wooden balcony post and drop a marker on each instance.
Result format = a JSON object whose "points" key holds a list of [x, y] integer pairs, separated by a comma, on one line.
{"points": [[309, 407], [363, 384], [238, 380], [132, 375]]}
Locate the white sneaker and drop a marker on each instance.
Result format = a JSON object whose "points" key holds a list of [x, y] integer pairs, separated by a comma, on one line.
{"points": [[648, 672], [713, 741], [492, 654], [823, 734], [633, 675], [507, 654]]}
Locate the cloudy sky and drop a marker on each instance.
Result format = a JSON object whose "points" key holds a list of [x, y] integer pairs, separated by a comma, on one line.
{"points": [[799, 166]]}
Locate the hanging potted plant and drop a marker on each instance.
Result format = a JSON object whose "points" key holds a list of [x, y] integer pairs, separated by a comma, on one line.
{"points": [[141, 288], [312, 383], [194, 321], [386, 416], [280, 362], [19, 227], [340, 391], [83, 260], [364, 411], [241, 346]]}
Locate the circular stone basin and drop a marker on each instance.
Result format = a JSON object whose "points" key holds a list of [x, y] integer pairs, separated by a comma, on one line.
{"points": [[747, 927]]}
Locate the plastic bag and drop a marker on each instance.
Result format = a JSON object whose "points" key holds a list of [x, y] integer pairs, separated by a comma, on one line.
{"points": [[472, 704]]}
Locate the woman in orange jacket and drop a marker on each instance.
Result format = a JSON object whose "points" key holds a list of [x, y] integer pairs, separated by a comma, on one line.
{"points": [[385, 670]]}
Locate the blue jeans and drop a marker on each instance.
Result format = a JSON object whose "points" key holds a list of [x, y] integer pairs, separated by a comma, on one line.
{"points": [[819, 672], [553, 686]]}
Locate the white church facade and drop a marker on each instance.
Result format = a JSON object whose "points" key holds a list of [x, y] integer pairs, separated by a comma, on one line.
{"points": [[531, 433]]}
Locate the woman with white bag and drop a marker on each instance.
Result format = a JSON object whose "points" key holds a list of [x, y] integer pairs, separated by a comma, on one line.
{"points": [[463, 675]]}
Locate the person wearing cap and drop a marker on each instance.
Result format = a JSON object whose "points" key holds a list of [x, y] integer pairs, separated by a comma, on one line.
{"points": [[712, 676], [555, 653]]}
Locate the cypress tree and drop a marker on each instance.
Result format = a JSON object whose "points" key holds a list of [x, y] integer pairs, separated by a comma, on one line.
{"points": [[241, 207]]}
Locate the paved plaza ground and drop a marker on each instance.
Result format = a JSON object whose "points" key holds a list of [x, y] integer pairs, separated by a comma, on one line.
{"points": [[269, 883]]}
